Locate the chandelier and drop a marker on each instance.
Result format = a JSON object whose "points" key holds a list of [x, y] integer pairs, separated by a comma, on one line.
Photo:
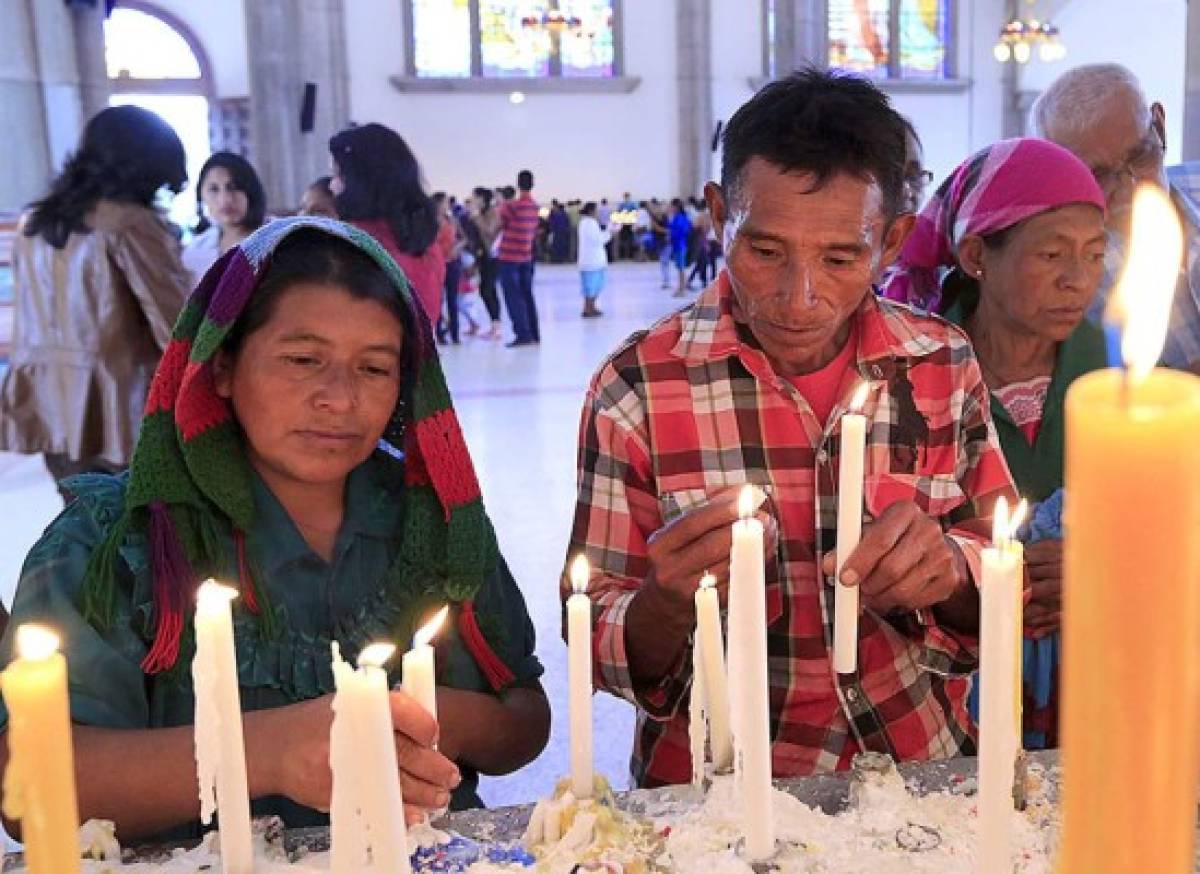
{"points": [[553, 21], [1019, 37]]}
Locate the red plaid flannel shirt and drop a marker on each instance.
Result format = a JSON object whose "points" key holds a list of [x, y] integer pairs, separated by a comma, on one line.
{"points": [[691, 407]]}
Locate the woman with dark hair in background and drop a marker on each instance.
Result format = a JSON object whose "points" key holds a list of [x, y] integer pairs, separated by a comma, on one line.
{"points": [[484, 232], [377, 187], [98, 284], [318, 199], [231, 205]]}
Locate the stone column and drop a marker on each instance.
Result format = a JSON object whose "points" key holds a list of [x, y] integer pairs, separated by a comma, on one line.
{"points": [[693, 66], [810, 34], [290, 43], [87, 23], [1191, 86], [39, 97]]}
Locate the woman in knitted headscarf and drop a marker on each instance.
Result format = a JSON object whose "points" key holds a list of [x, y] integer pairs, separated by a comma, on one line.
{"points": [[1011, 248], [298, 443]]}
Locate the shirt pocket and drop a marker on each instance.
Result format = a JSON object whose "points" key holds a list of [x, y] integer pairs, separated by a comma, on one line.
{"points": [[936, 495], [677, 503]]}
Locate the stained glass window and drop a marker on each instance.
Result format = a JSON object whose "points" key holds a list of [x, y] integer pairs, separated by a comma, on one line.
{"points": [[884, 39], [442, 37], [499, 39]]}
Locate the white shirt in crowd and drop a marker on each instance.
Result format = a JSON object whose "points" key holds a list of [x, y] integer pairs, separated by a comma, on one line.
{"points": [[201, 252], [592, 240]]}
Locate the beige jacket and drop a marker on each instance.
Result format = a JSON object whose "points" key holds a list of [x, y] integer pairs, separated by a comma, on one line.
{"points": [[90, 322]]}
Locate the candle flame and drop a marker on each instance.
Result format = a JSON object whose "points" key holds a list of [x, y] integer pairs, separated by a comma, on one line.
{"points": [[1018, 519], [707, 581], [581, 572], [36, 642], [431, 627], [376, 655], [750, 499], [1000, 522], [212, 594], [860, 397], [1142, 303]]}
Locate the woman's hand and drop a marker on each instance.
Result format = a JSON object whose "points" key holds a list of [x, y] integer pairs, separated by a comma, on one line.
{"points": [[291, 747], [1043, 569]]}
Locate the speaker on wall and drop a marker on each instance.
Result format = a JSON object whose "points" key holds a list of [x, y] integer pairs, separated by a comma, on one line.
{"points": [[308, 108]]}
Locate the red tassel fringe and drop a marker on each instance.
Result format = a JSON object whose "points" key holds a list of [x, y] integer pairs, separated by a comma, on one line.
{"points": [[498, 674], [172, 574]]}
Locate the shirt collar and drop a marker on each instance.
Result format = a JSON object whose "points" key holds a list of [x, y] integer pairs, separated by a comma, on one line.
{"points": [[371, 511], [709, 331]]}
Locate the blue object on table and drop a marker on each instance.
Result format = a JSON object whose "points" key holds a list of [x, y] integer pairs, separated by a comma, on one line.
{"points": [[461, 853]]}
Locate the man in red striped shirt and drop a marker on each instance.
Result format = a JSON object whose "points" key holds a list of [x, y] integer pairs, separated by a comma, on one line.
{"points": [[518, 227]]}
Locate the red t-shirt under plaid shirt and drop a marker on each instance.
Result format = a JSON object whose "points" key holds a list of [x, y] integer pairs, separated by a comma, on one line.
{"points": [[692, 407]]}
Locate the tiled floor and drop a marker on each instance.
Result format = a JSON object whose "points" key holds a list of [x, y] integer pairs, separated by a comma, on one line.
{"points": [[520, 411]]}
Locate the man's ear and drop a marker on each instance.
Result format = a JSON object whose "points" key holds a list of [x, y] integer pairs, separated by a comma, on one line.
{"points": [[716, 207], [1158, 120], [894, 238], [223, 374]]}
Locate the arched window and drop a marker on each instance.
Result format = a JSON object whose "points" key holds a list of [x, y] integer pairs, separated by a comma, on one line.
{"points": [[155, 62]]}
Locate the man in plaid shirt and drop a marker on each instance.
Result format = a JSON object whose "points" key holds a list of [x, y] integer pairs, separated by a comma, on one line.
{"points": [[748, 385]]}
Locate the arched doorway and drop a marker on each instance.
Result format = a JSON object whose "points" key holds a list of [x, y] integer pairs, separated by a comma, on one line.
{"points": [[154, 61]]}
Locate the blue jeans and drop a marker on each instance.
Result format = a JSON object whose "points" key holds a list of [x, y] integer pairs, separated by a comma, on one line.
{"points": [[516, 278]]}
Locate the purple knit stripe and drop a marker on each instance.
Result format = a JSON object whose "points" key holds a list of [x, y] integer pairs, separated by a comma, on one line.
{"points": [[233, 291]]}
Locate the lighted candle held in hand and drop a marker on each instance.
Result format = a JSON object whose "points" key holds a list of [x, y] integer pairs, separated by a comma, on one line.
{"points": [[711, 646], [419, 669], [849, 531]]}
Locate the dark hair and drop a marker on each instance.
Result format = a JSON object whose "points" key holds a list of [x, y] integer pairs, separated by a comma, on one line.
{"points": [[525, 180], [325, 184], [589, 208], [314, 256], [383, 181], [819, 122], [126, 154], [677, 203], [484, 194], [244, 179], [509, 192]]}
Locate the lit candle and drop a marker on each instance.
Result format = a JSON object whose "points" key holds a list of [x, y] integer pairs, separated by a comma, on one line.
{"points": [[420, 676], [998, 736], [39, 783], [751, 700], [579, 678], [849, 531], [220, 751], [1018, 550], [711, 646], [1131, 606], [367, 806]]}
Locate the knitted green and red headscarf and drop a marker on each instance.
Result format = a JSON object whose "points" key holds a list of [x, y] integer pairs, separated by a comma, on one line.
{"points": [[190, 484]]}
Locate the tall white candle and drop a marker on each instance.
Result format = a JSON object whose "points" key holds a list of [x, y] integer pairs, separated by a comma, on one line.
{"points": [[697, 719], [367, 807], [751, 701], [849, 531], [716, 684], [579, 678], [220, 749], [997, 731], [420, 672]]}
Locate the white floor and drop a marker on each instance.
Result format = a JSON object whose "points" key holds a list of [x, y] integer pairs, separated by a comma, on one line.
{"points": [[520, 411]]}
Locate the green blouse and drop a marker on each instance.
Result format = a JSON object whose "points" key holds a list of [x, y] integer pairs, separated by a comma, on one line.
{"points": [[315, 602], [1037, 469]]}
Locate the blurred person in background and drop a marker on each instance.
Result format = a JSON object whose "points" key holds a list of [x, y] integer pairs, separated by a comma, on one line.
{"points": [[318, 199], [98, 284], [593, 258], [377, 188], [231, 205]]}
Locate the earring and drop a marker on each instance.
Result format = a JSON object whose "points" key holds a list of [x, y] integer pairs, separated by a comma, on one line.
{"points": [[979, 273]]}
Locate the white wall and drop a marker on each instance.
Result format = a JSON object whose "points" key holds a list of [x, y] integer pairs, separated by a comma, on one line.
{"points": [[1149, 37], [577, 145], [220, 26], [737, 39]]}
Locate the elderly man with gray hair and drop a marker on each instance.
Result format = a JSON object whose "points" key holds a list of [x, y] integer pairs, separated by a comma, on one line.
{"points": [[1099, 112]]}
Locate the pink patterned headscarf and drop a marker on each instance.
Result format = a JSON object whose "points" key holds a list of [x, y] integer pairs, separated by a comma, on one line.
{"points": [[994, 189]]}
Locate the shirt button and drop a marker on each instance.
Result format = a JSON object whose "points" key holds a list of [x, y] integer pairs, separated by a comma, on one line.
{"points": [[852, 695], [822, 456], [876, 371]]}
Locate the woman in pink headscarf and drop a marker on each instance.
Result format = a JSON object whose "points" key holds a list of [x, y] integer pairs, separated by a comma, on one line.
{"points": [[1011, 248]]}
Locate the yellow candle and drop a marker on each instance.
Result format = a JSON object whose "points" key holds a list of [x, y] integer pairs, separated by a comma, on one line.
{"points": [[39, 783], [1131, 629]]}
